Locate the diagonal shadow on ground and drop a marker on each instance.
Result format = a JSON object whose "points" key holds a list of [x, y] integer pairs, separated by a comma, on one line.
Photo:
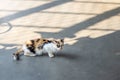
{"points": [[32, 10], [70, 31]]}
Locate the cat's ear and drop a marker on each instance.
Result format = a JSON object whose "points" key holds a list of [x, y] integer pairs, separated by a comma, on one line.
{"points": [[62, 40]]}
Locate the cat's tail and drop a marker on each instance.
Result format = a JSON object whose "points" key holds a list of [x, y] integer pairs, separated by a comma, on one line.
{"points": [[17, 54]]}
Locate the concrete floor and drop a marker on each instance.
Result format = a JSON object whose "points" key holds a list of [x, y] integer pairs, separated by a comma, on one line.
{"points": [[90, 29]]}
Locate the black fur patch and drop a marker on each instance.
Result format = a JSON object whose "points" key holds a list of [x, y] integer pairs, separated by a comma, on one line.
{"points": [[49, 41], [37, 40], [44, 40], [45, 43], [31, 47]]}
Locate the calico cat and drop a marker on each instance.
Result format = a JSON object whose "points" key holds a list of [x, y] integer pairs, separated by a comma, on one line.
{"points": [[38, 47]]}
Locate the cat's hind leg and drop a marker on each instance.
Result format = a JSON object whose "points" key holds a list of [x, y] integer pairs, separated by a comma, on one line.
{"points": [[27, 52], [16, 55]]}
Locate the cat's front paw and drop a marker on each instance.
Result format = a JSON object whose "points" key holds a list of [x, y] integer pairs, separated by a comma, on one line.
{"points": [[51, 55]]}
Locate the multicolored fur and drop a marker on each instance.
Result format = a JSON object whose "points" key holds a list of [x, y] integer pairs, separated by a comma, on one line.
{"points": [[39, 46]]}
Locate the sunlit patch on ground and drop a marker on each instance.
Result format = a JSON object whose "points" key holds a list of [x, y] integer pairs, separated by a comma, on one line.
{"points": [[20, 23], [1, 47]]}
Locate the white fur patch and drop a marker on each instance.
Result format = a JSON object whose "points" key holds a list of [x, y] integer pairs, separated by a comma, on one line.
{"points": [[39, 51], [50, 48], [14, 58], [25, 49]]}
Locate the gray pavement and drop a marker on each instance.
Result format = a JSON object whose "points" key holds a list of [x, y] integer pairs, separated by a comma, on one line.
{"points": [[90, 29]]}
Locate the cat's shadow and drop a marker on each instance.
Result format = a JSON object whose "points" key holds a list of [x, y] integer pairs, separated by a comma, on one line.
{"points": [[67, 56], [63, 55]]}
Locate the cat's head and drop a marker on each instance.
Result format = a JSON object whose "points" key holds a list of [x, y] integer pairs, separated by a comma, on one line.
{"points": [[59, 43]]}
